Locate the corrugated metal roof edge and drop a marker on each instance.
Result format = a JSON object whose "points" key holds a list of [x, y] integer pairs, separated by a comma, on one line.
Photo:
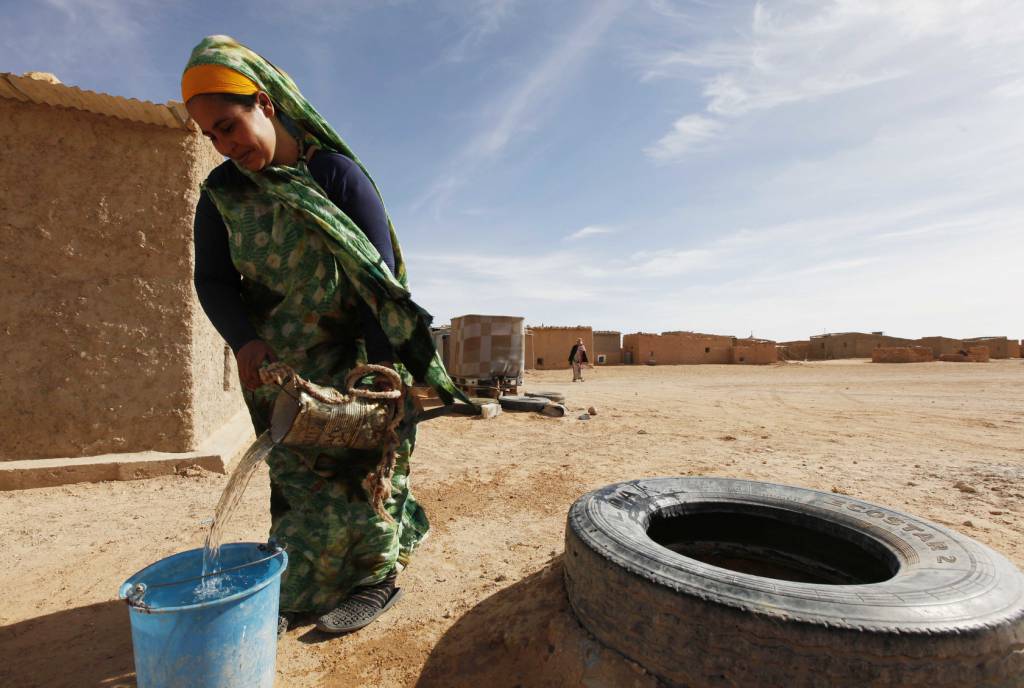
{"points": [[72, 97]]}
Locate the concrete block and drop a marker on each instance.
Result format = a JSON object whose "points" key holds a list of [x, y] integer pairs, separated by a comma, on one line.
{"points": [[491, 409]]}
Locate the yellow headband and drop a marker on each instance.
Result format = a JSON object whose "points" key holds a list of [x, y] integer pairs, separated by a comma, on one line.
{"points": [[214, 78]]}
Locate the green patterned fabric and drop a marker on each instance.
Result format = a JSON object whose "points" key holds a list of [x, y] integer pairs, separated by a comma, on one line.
{"points": [[306, 266]]}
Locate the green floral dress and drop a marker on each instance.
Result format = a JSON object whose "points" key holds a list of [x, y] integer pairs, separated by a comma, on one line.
{"points": [[306, 266]]}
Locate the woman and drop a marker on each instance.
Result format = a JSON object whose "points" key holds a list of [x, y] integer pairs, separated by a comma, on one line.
{"points": [[577, 357], [297, 261]]}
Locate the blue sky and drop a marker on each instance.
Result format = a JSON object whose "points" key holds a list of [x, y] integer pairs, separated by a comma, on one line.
{"points": [[781, 168]]}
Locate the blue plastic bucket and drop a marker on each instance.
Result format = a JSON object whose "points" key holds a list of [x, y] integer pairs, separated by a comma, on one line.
{"points": [[228, 640]]}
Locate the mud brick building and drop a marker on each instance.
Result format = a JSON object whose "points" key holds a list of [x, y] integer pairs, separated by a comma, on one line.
{"points": [[754, 352], [998, 347], [551, 345], [676, 348], [941, 345], [850, 345], [607, 347], [105, 347]]}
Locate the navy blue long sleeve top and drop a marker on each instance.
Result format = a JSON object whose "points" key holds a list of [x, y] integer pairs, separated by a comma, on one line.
{"points": [[217, 280]]}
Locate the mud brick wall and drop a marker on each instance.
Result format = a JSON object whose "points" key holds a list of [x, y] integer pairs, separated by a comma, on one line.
{"points": [[902, 354], [998, 347], [610, 345], [677, 348], [940, 345], [794, 351], [104, 344], [749, 352], [973, 354], [551, 345]]}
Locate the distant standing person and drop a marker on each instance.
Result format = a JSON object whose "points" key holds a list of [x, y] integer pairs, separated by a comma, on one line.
{"points": [[577, 357]]}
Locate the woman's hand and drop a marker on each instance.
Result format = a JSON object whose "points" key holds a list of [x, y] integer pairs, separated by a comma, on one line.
{"points": [[250, 357]]}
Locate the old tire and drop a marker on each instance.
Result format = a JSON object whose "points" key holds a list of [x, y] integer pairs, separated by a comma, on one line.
{"points": [[511, 403], [948, 611], [556, 397]]}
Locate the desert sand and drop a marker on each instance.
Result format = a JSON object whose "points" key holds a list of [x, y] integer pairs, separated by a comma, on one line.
{"points": [[483, 602]]}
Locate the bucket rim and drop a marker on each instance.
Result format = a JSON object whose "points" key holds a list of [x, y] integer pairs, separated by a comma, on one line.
{"points": [[129, 583]]}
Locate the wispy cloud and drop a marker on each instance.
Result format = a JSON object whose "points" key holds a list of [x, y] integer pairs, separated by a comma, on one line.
{"points": [[797, 52], [668, 263], [524, 103], [94, 35], [114, 17], [589, 231], [689, 133], [520, 108], [481, 18], [1009, 90]]}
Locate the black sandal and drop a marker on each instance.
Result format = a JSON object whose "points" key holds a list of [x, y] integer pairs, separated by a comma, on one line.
{"points": [[353, 614]]}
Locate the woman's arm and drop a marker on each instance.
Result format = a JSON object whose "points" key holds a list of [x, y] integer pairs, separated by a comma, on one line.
{"points": [[217, 285], [352, 191]]}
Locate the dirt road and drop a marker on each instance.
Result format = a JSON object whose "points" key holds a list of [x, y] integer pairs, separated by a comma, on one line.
{"points": [[483, 601]]}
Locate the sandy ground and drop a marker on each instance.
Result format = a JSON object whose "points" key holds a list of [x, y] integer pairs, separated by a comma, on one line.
{"points": [[483, 602]]}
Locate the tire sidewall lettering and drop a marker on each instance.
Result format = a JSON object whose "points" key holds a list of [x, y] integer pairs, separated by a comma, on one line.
{"points": [[898, 524]]}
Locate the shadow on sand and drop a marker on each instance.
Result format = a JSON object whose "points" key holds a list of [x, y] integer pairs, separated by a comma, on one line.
{"points": [[526, 636], [81, 647]]}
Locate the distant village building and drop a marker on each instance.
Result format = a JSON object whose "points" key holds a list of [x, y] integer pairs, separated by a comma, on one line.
{"points": [[902, 354], [607, 347], [551, 345], [692, 348], [864, 345], [850, 345], [941, 345], [105, 346], [753, 352], [676, 348], [998, 347], [796, 350]]}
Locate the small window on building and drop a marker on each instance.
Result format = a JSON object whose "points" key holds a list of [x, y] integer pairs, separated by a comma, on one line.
{"points": [[844, 345], [600, 359], [540, 361], [707, 349]]}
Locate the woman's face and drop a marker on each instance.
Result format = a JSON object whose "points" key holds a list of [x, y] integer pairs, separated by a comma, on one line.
{"points": [[244, 134]]}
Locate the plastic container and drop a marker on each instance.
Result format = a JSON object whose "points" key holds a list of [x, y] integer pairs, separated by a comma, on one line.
{"points": [[224, 637]]}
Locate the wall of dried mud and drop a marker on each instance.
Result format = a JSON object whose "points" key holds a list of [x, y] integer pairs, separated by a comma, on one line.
{"points": [[677, 348], [609, 344], [105, 347], [902, 354], [754, 352], [551, 346]]}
